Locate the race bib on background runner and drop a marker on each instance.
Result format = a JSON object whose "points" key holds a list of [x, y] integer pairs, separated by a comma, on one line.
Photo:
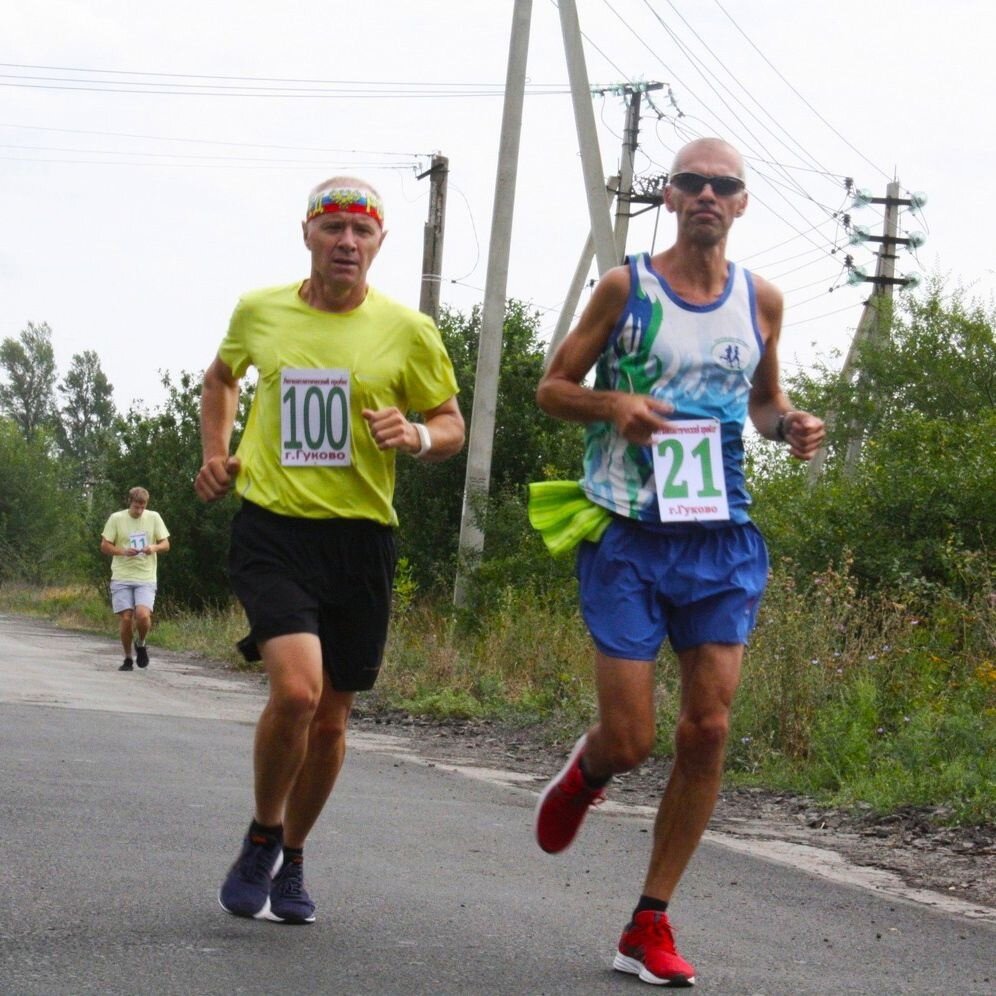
{"points": [[688, 471], [314, 418]]}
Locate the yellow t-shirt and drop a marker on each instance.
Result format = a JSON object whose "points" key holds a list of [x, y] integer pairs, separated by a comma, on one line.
{"points": [[306, 450], [123, 530]]}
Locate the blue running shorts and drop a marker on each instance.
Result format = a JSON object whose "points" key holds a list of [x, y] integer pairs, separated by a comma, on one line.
{"points": [[641, 586]]}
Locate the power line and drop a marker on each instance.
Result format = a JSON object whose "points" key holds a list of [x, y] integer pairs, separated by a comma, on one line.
{"points": [[214, 141], [283, 94], [796, 92], [182, 156], [815, 318], [500, 87], [182, 165], [819, 166], [176, 84], [699, 66], [795, 290], [692, 59]]}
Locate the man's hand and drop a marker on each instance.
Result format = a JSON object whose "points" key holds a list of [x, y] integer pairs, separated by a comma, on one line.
{"points": [[804, 434], [638, 416], [214, 480], [392, 431]]}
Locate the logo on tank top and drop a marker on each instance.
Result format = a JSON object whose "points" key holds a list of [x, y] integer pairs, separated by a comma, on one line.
{"points": [[731, 354]]}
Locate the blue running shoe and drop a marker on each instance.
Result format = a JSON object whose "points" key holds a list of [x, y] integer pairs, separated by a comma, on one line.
{"points": [[246, 889], [289, 900]]}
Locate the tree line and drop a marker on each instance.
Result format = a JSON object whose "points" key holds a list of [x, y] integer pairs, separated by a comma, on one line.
{"points": [[919, 511], [68, 458]]}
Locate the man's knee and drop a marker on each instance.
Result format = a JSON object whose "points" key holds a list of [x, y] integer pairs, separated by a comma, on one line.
{"points": [[626, 748], [293, 666], [700, 741], [328, 727], [327, 733], [297, 698]]}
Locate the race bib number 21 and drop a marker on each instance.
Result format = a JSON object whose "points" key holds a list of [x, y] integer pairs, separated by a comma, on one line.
{"points": [[314, 418], [688, 469]]}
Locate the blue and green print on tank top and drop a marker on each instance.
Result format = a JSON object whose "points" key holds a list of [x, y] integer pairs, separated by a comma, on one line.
{"points": [[700, 358]]}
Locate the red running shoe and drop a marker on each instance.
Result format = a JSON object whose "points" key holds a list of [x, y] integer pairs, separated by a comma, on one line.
{"points": [[564, 803], [647, 949]]}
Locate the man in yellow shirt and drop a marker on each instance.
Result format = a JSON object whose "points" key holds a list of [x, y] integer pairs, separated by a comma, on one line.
{"points": [[312, 558], [133, 538]]}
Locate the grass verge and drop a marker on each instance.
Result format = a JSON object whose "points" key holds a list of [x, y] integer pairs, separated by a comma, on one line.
{"points": [[849, 699]]}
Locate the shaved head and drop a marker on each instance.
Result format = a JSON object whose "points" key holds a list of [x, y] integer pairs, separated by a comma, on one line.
{"points": [[709, 148]]}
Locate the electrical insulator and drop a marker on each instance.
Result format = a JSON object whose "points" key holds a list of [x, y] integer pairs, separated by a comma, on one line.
{"points": [[862, 198], [856, 275], [911, 280], [917, 200], [915, 239], [859, 234]]}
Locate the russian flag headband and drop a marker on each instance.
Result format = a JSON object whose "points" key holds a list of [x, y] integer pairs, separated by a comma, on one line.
{"points": [[349, 199]]}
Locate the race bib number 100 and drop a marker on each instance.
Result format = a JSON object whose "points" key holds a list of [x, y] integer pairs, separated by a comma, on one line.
{"points": [[314, 418], [688, 469]]}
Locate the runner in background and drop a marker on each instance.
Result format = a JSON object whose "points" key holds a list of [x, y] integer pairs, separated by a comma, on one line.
{"points": [[133, 538]]}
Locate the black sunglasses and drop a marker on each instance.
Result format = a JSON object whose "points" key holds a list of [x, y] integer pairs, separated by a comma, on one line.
{"points": [[694, 184]]}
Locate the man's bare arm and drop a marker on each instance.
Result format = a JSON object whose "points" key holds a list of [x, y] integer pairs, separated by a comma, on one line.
{"points": [[219, 403], [561, 392], [770, 409], [391, 429]]}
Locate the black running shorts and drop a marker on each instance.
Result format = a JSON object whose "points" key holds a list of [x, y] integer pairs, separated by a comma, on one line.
{"points": [[329, 577]]}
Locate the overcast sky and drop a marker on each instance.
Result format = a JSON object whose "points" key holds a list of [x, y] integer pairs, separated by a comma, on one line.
{"points": [[155, 159]]}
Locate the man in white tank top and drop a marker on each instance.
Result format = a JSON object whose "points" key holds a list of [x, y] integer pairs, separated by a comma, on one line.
{"points": [[685, 347]]}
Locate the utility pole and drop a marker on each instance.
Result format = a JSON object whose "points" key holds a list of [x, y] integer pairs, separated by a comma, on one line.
{"points": [[631, 136], [482, 421], [622, 184], [584, 119], [873, 325], [877, 327], [581, 271], [432, 244]]}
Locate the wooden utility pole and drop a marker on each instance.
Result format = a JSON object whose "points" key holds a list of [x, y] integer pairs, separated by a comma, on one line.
{"points": [[432, 244], [482, 421]]}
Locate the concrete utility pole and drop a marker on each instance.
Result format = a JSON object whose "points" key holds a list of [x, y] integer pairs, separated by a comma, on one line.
{"points": [[631, 142], [871, 326], [432, 244], [581, 271], [621, 184], [482, 421], [584, 119], [878, 326]]}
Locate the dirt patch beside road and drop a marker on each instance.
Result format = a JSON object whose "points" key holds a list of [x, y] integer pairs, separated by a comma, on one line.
{"points": [[954, 861]]}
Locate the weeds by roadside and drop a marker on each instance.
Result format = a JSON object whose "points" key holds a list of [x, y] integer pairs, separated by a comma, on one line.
{"points": [[847, 698]]}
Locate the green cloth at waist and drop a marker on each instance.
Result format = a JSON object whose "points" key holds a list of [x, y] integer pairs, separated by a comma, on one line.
{"points": [[564, 515]]}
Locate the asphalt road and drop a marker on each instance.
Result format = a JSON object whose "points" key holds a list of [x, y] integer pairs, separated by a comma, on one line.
{"points": [[124, 797]]}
